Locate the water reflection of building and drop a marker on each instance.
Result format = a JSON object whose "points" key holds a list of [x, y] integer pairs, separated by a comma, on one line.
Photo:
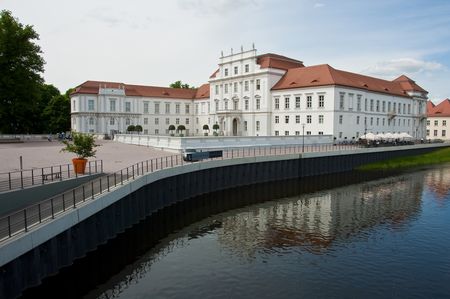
{"points": [[314, 222], [438, 182]]}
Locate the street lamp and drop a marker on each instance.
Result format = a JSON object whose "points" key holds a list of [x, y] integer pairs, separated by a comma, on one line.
{"points": [[303, 137]]}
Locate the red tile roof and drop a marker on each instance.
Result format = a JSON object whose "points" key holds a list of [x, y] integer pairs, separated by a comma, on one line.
{"points": [[322, 75], [408, 84], [440, 110], [276, 61], [202, 92], [214, 74], [92, 87]]}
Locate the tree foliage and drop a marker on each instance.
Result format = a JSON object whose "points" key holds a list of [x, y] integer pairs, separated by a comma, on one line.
{"points": [[138, 128], [131, 128], [21, 66], [56, 115], [179, 84], [82, 145]]}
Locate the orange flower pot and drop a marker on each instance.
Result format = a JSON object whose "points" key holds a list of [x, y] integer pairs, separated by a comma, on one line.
{"points": [[79, 165]]}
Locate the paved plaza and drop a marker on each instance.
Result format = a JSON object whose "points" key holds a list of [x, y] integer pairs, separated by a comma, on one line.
{"points": [[37, 154]]}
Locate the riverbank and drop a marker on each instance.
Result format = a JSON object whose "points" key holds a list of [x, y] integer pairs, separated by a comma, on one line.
{"points": [[437, 157]]}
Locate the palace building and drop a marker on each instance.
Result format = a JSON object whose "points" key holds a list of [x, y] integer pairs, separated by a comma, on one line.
{"points": [[258, 95], [438, 118]]}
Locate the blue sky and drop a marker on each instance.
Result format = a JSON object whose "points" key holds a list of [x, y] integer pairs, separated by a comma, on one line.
{"points": [[158, 42]]}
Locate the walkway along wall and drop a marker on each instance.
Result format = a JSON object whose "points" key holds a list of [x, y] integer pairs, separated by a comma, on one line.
{"points": [[27, 259]]}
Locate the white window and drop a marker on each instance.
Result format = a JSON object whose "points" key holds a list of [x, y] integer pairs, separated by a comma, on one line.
{"points": [[277, 133], [297, 133], [145, 131], [177, 108], [286, 119], [257, 125], [167, 108], [235, 70], [321, 101], [187, 121], [112, 105], [246, 104], [156, 121], [226, 72], [277, 119], [443, 133], [245, 125], [145, 121], [177, 121], [156, 108], [217, 89], [167, 121], [341, 100], [235, 87], [111, 121], [73, 106], [217, 105], [308, 101], [196, 109], [247, 69], [186, 108], [203, 108], [357, 120], [245, 85], [358, 103], [371, 104], [297, 119], [286, 133], [226, 105], [277, 103], [91, 120], [235, 105], [320, 119], [145, 107], [340, 119], [91, 105], [127, 107], [308, 119], [436, 123], [320, 132], [226, 88], [258, 104], [444, 123], [383, 106], [286, 103], [258, 84], [156, 131], [196, 120], [297, 102], [308, 132], [127, 121]]}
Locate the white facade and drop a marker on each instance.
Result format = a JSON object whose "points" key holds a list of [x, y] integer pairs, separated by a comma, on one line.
{"points": [[241, 101]]}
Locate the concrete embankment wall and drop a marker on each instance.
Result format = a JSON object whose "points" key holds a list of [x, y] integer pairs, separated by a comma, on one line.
{"points": [[27, 259]]}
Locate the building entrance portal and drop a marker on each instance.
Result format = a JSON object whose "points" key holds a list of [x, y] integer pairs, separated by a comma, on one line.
{"points": [[235, 127]]}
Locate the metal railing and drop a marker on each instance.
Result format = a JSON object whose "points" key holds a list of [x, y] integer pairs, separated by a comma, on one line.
{"points": [[21, 179], [22, 220]]}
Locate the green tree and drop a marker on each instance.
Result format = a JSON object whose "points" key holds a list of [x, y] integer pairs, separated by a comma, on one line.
{"points": [[20, 81], [138, 128], [56, 115], [131, 128], [179, 84]]}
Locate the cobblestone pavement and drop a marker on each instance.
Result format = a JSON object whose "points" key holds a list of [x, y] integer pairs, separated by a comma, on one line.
{"points": [[37, 154]]}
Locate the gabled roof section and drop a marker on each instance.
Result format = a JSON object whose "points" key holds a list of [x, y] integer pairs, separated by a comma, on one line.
{"points": [[214, 74], [440, 110], [430, 106], [408, 84], [276, 61], [324, 74], [202, 92], [92, 87]]}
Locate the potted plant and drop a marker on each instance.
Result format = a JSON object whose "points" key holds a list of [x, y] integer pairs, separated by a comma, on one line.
{"points": [[171, 129], [181, 128], [83, 146], [131, 128], [138, 128], [206, 129], [215, 128]]}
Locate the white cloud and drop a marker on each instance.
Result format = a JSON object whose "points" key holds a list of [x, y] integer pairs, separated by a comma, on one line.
{"points": [[208, 7], [395, 67], [318, 5]]}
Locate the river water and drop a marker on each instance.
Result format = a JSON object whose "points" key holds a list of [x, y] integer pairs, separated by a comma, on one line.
{"points": [[387, 238]]}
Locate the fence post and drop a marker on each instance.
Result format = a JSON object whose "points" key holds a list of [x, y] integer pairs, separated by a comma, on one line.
{"points": [[100, 185], [121, 177], [92, 189], [84, 193], [39, 212], [151, 165], [146, 162], [101, 165], [53, 208], [171, 161], [21, 179], [90, 167], [9, 180], [132, 168], [60, 172], [115, 180], [107, 181], [25, 219], [128, 175], [9, 226], [32, 177], [64, 202], [74, 201], [68, 170], [96, 170]]}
